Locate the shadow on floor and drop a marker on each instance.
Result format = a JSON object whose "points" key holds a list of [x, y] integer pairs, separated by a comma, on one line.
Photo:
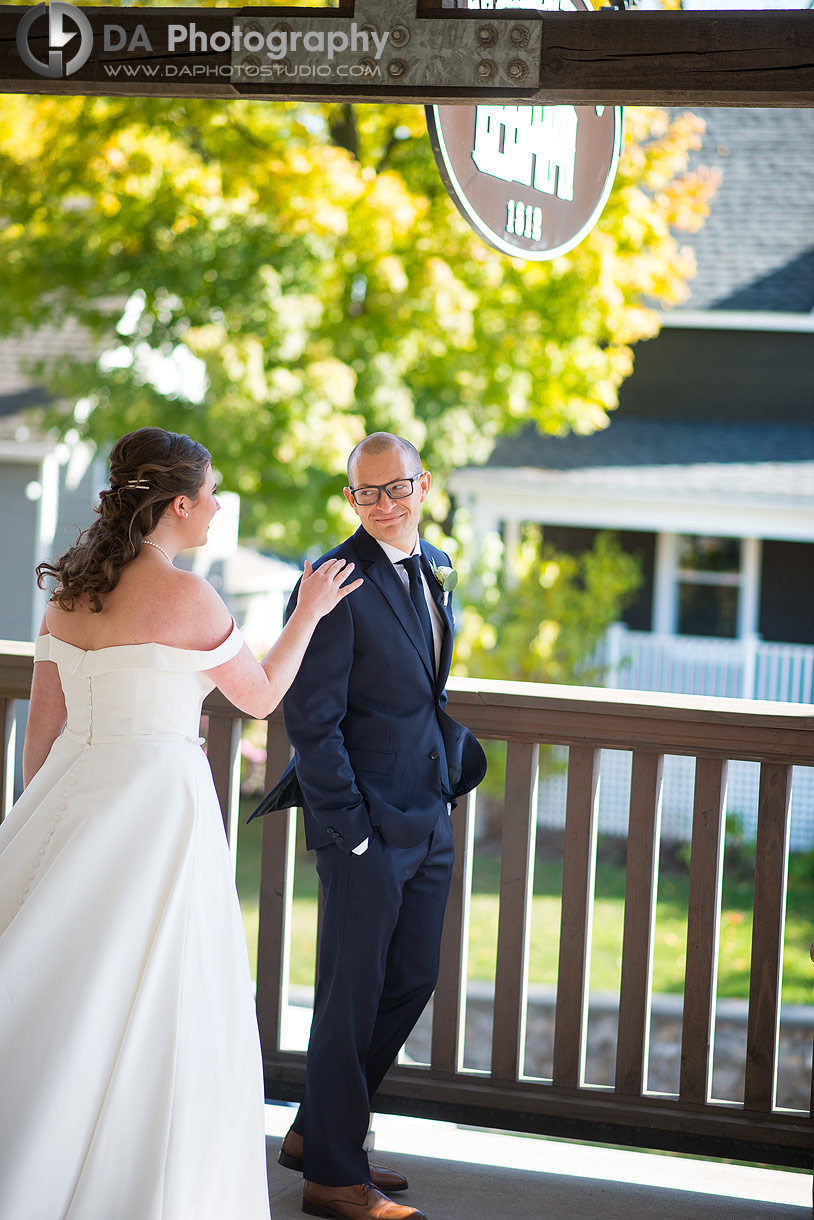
{"points": [[453, 1190]]}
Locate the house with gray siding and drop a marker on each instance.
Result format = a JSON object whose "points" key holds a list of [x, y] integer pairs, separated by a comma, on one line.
{"points": [[706, 469], [47, 485]]}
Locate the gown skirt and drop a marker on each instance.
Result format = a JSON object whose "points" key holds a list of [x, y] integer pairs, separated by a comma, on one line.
{"points": [[130, 1075]]}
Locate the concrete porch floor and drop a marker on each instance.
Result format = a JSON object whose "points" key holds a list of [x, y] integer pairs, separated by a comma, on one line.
{"points": [[464, 1174]]}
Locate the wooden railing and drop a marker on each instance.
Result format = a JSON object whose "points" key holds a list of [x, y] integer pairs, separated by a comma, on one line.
{"points": [[748, 668], [586, 721]]}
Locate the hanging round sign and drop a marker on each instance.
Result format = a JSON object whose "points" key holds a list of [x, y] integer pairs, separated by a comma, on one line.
{"points": [[531, 180]]}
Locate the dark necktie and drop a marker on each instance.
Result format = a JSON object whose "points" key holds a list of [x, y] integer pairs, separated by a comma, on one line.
{"points": [[412, 565]]}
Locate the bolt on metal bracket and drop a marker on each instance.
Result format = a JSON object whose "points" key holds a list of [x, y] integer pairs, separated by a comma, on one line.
{"points": [[388, 44]]}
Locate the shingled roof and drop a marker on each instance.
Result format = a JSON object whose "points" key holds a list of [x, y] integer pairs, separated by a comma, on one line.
{"points": [[670, 459], [654, 442], [19, 393], [755, 253], [756, 249]]}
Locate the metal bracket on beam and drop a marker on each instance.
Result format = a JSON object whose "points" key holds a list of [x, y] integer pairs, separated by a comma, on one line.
{"points": [[388, 44]]}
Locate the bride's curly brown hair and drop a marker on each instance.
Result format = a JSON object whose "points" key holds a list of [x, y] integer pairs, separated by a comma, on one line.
{"points": [[148, 469]]}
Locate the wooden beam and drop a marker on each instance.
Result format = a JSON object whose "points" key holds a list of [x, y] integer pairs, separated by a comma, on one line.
{"points": [[679, 59], [610, 58]]}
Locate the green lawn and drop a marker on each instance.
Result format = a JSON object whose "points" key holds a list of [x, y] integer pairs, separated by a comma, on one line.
{"points": [[671, 921]]}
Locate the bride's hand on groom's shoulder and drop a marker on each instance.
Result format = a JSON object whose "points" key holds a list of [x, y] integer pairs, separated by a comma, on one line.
{"points": [[322, 589]]}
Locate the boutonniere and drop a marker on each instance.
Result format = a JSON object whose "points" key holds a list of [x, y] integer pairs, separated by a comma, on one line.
{"points": [[446, 577]]}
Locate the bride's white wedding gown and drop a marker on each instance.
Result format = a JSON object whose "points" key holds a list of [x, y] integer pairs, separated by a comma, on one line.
{"points": [[130, 1078]]}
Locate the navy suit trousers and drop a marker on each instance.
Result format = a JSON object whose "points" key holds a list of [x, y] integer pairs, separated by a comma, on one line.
{"points": [[378, 965]]}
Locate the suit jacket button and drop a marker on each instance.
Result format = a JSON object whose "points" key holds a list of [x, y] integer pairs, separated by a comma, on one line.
{"points": [[340, 838], [330, 830], [435, 754]]}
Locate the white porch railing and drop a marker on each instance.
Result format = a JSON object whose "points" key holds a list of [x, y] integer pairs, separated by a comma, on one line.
{"points": [[748, 668]]}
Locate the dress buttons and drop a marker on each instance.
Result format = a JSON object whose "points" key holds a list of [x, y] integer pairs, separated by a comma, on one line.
{"points": [[435, 754]]}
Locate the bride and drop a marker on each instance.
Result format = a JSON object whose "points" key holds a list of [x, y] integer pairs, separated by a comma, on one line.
{"points": [[130, 1075]]}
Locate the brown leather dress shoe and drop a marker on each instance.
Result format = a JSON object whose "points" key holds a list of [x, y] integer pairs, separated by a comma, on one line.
{"points": [[290, 1156], [362, 1202]]}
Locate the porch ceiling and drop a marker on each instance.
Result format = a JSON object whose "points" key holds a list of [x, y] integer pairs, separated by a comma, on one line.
{"points": [[687, 476], [739, 500]]}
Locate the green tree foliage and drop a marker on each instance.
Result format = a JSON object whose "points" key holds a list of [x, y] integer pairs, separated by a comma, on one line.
{"points": [[540, 612], [279, 278]]}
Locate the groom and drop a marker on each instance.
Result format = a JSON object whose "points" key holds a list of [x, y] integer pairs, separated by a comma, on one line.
{"points": [[377, 763]]}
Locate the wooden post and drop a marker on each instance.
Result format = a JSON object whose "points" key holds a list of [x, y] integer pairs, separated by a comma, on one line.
{"points": [[516, 877], [449, 1002], [633, 1043], [771, 869], [703, 922], [8, 741], [223, 752], [578, 879], [276, 891]]}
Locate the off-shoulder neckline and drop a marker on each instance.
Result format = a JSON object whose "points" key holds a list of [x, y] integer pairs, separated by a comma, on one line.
{"points": [[144, 644]]}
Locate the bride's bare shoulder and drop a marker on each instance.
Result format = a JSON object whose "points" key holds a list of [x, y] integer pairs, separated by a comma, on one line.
{"points": [[178, 608], [63, 623], [198, 598], [192, 612]]}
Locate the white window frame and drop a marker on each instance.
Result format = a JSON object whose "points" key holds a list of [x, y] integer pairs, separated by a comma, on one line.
{"points": [[669, 576]]}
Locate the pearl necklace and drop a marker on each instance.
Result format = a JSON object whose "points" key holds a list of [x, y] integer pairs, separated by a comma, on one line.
{"points": [[147, 542]]}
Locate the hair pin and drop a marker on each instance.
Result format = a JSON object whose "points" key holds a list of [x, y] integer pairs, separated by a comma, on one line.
{"points": [[140, 483]]}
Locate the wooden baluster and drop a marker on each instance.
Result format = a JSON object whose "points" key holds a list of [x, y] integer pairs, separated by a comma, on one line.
{"points": [[703, 927], [449, 1003], [8, 742], [578, 877], [771, 870], [276, 891], [223, 752], [516, 869], [641, 877]]}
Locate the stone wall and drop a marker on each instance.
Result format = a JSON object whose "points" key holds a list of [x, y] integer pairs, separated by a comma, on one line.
{"points": [[795, 1051]]}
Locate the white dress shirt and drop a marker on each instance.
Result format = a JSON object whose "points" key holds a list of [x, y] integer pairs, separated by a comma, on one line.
{"points": [[395, 556]]}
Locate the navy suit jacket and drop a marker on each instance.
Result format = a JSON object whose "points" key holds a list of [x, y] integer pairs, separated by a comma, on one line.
{"points": [[374, 746]]}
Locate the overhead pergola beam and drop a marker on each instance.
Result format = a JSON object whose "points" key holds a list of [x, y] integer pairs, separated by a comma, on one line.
{"points": [[680, 59], [610, 57]]}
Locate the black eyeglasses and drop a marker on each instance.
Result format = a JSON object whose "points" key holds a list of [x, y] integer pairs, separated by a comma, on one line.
{"points": [[399, 489]]}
